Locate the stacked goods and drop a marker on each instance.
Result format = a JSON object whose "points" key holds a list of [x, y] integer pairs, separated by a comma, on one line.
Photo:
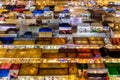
{"points": [[116, 27], [45, 32], [66, 50], [29, 53], [50, 50], [43, 41], [21, 53], [63, 50], [54, 51], [42, 34], [98, 66], [2, 53], [81, 41], [72, 69], [28, 69], [71, 55], [62, 32], [55, 71], [10, 53], [48, 34], [34, 53], [65, 31], [53, 65], [97, 70], [82, 69], [24, 42], [84, 53], [46, 50], [58, 41], [115, 41], [69, 32], [97, 14], [116, 34], [97, 40], [56, 55], [69, 50]]}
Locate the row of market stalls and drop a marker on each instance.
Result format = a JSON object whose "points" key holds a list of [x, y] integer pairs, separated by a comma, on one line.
{"points": [[53, 41], [59, 71], [47, 53], [59, 41], [64, 28], [35, 71], [81, 58], [86, 55]]}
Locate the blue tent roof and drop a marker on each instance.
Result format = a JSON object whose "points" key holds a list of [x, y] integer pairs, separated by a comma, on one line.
{"points": [[6, 38], [46, 29], [4, 73], [65, 11], [37, 12], [110, 10]]}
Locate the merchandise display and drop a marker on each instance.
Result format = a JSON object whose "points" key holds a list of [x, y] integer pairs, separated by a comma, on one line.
{"points": [[59, 40]]}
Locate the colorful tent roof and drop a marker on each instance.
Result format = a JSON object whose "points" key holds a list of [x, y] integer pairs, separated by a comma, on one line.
{"points": [[5, 66], [15, 66], [45, 29], [38, 12], [4, 73]]}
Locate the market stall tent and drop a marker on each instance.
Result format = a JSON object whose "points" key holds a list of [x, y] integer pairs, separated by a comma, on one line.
{"points": [[30, 53], [4, 73], [14, 70], [59, 41], [45, 32], [7, 40], [45, 29], [5, 66], [96, 27], [43, 40], [84, 27], [65, 28], [2, 53], [64, 14], [28, 69], [38, 12], [28, 34], [27, 42]]}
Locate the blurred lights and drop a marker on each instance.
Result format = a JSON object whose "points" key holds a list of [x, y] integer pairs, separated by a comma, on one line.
{"points": [[71, 10]]}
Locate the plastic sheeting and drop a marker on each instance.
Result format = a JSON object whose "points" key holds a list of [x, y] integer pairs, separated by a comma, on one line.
{"points": [[4, 73]]}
